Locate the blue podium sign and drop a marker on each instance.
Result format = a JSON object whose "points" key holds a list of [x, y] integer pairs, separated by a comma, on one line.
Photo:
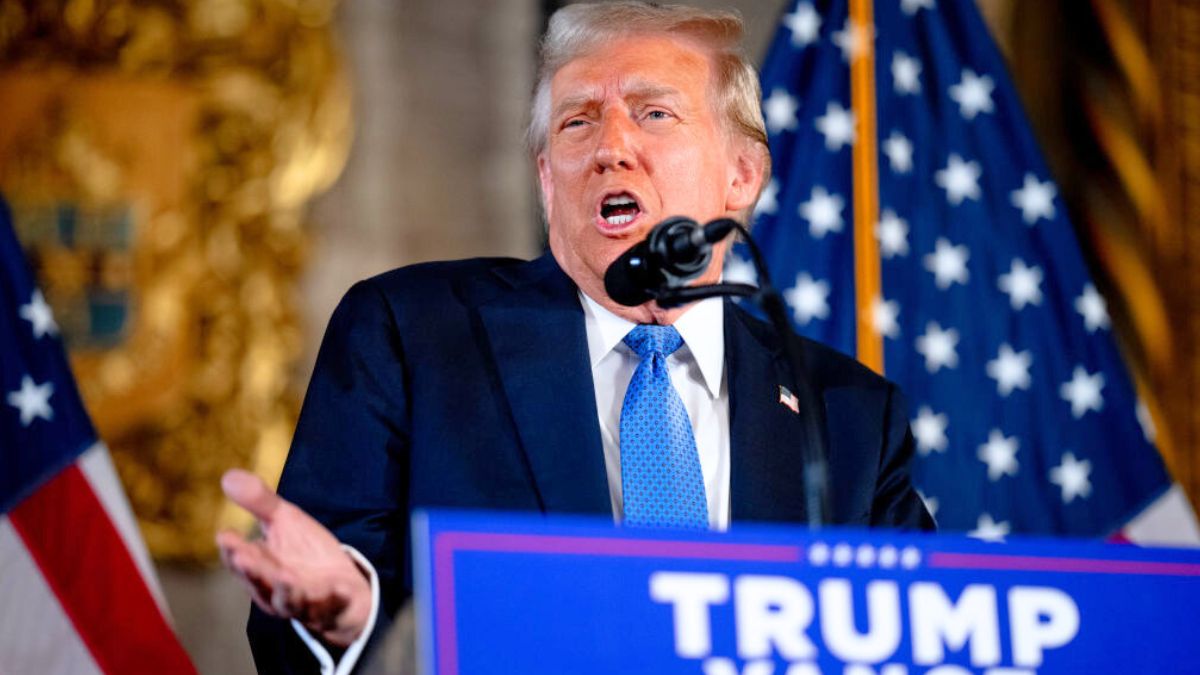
{"points": [[522, 594]]}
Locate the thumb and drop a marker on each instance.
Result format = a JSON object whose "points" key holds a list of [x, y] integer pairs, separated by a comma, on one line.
{"points": [[251, 493]]}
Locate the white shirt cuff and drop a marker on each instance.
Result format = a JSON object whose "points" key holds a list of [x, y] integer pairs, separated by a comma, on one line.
{"points": [[350, 657]]}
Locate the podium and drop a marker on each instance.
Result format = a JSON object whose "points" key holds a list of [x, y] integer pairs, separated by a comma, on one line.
{"points": [[526, 594]]}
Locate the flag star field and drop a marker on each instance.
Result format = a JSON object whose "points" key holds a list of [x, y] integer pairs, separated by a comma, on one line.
{"points": [[1024, 417]]}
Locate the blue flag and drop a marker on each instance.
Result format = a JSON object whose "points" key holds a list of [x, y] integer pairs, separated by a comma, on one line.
{"points": [[1024, 417], [43, 425], [73, 562]]}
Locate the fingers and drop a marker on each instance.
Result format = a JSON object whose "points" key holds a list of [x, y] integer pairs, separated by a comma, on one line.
{"points": [[251, 493], [275, 589], [299, 571], [253, 566], [322, 615]]}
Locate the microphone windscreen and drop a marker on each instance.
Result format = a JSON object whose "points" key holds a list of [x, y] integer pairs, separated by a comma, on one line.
{"points": [[628, 279]]}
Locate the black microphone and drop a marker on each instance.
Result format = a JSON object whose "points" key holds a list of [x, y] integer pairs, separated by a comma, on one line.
{"points": [[676, 251]]}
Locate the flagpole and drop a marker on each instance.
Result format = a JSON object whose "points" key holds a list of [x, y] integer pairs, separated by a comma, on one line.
{"points": [[867, 286]]}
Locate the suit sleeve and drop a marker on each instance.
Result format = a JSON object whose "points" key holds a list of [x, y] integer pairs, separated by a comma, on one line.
{"points": [[348, 464], [896, 502]]}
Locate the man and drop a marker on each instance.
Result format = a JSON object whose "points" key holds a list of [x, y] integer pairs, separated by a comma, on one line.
{"points": [[508, 385]]}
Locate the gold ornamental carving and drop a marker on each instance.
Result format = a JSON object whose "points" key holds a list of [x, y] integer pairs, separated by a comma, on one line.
{"points": [[1109, 100], [158, 157]]}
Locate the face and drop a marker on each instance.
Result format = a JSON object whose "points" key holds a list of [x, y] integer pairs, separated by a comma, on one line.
{"points": [[634, 139]]}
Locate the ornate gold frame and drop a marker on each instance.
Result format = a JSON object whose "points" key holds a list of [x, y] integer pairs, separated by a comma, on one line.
{"points": [[1116, 101], [213, 122]]}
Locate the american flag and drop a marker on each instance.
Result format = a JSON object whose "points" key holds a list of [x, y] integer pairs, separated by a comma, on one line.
{"points": [[78, 592], [909, 140]]}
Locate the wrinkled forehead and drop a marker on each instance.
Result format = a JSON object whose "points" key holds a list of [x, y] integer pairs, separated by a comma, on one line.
{"points": [[637, 60], [632, 89], [634, 66]]}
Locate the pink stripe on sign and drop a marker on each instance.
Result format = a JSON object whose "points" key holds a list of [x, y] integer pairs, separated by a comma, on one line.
{"points": [[624, 548], [449, 543], [447, 634], [1039, 564]]}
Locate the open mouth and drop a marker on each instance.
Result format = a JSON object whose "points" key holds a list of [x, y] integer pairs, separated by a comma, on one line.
{"points": [[619, 209]]}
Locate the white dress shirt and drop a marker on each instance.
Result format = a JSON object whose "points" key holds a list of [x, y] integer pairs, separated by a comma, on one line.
{"points": [[697, 370]]}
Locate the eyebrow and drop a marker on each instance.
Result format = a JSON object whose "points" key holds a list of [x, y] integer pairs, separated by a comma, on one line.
{"points": [[636, 90]]}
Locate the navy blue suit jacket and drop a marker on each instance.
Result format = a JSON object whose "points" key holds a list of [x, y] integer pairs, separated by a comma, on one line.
{"points": [[468, 384]]}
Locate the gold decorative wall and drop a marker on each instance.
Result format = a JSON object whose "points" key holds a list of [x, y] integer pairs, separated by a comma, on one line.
{"points": [[1112, 89], [1173, 27], [158, 156]]}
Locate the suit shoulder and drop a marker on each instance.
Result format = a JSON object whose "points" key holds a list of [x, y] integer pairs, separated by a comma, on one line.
{"points": [[422, 283], [442, 273], [832, 368], [828, 367]]}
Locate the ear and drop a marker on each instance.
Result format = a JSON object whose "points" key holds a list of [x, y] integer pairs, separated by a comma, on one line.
{"points": [[746, 170], [546, 181]]}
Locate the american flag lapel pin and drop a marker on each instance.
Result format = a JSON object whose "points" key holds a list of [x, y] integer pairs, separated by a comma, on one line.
{"points": [[787, 398]]}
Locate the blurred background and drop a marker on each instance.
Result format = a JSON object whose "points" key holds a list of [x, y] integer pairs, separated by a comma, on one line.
{"points": [[196, 183]]}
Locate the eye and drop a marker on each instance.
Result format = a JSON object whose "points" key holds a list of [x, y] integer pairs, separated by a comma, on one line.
{"points": [[658, 114], [574, 122]]}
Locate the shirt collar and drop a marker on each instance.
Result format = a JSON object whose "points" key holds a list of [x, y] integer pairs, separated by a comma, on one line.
{"points": [[702, 328]]}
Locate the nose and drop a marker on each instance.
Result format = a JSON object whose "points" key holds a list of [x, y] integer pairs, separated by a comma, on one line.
{"points": [[616, 144]]}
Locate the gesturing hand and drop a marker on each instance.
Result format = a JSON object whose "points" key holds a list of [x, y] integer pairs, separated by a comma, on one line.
{"points": [[298, 570]]}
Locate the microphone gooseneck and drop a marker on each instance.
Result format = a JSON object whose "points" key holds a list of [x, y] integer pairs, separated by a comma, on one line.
{"points": [[678, 250]]}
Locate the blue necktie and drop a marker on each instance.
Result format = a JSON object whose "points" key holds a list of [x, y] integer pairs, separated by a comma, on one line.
{"points": [[661, 482]]}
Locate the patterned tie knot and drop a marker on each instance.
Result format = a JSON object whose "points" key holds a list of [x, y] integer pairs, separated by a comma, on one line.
{"points": [[646, 341]]}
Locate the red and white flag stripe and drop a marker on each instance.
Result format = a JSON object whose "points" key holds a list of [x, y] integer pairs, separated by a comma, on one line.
{"points": [[1167, 521], [80, 593]]}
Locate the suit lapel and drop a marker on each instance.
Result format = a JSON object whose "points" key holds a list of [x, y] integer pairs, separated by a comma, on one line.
{"points": [[537, 335], [766, 465], [535, 327]]}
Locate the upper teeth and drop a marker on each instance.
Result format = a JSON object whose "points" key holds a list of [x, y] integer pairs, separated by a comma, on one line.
{"points": [[619, 200]]}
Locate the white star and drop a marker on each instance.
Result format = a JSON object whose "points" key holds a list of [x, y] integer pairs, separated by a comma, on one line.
{"points": [[1010, 370], [809, 299], [38, 313], [1093, 308], [948, 263], [929, 430], [768, 201], [837, 126], [906, 74], [892, 233], [33, 400], [780, 110], [853, 39], [989, 530], [899, 151], [739, 271], [1036, 200], [805, 24], [1000, 455], [959, 179], [910, 7], [1083, 392], [1146, 420], [1072, 477], [883, 315], [973, 94], [1022, 284], [939, 347], [823, 212]]}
